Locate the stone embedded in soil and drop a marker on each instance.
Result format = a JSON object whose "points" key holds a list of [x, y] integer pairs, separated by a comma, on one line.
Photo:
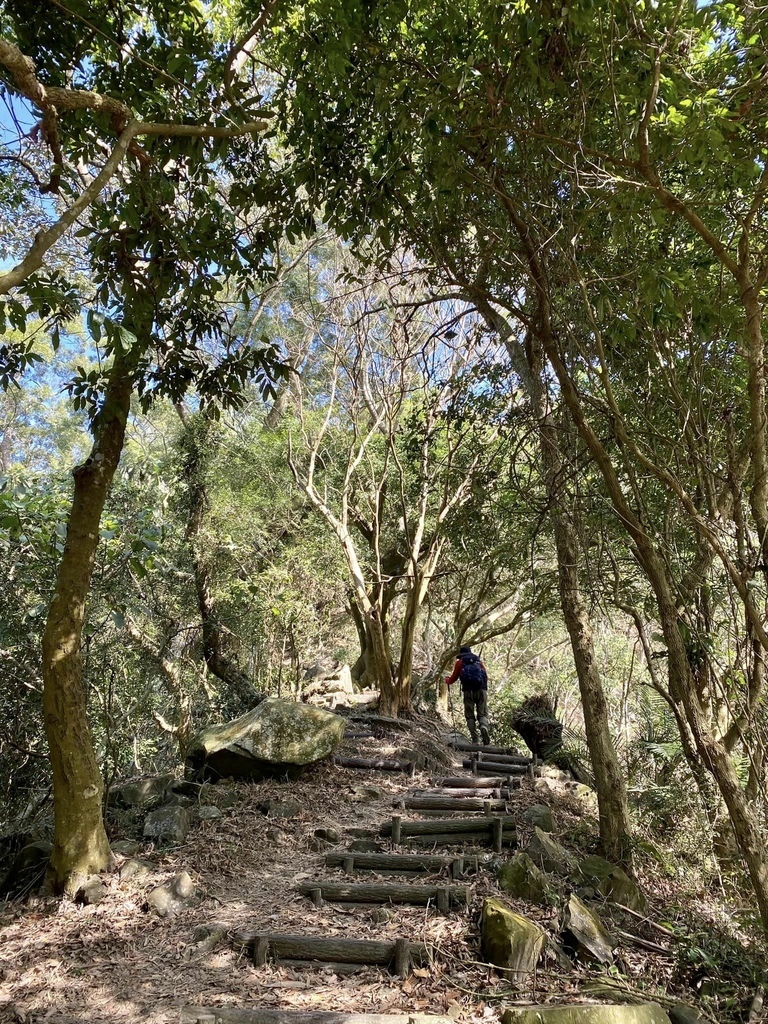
{"points": [[171, 897], [206, 813], [136, 870], [285, 807], [511, 941], [27, 870], [168, 824], [520, 877], [328, 835], [549, 855], [585, 933], [648, 1013], [91, 892], [681, 1013], [126, 847], [541, 816], [611, 882], [365, 846], [366, 795], [146, 793]]}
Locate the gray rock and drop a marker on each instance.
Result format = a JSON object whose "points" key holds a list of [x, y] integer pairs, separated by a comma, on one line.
{"points": [[520, 877], [550, 855], [328, 835], [206, 813], [648, 1013], [511, 941], [681, 1013], [126, 847], [220, 795], [541, 816], [27, 870], [136, 870], [611, 882], [168, 824], [585, 933], [356, 832], [171, 897], [365, 846], [145, 793], [91, 892], [366, 795], [287, 807], [277, 739]]}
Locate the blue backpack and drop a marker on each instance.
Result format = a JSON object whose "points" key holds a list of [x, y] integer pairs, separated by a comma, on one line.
{"points": [[473, 675]]}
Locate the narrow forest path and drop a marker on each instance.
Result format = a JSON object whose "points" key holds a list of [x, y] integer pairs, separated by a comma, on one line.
{"points": [[382, 866]]}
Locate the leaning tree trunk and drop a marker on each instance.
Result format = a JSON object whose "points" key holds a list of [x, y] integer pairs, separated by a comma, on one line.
{"points": [[613, 812], [712, 751], [80, 841]]}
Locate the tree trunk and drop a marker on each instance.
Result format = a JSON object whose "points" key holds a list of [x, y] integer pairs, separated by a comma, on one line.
{"points": [[197, 430], [682, 684], [613, 812], [80, 842]]}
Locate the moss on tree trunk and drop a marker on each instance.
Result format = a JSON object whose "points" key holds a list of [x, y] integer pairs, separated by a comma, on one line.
{"points": [[80, 841]]}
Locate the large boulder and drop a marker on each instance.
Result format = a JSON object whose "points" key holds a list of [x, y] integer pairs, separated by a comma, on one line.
{"points": [[511, 941], [277, 739], [611, 882], [648, 1013]]}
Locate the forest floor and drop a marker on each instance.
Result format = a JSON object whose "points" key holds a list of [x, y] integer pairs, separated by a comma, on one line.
{"points": [[117, 962]]}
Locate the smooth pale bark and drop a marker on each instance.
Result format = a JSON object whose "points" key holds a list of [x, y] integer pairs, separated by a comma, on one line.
{"points": [[80, 842]]}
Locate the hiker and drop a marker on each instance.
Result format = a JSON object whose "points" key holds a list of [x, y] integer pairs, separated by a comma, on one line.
{"points": [[474, 686]]}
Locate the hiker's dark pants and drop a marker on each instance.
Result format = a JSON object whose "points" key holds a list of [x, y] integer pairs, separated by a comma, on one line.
{"points": [[476, 701]]}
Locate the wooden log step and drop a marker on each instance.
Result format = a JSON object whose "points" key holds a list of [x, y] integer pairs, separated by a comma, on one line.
{"points": [[486, 748], [470, 782], [397, 862], [443, 897], [444, 803], [525, 762], [455, 792], [494, 767], [464, 839], [373, 764], [448, 825], [399, 955], [259, 1015]]}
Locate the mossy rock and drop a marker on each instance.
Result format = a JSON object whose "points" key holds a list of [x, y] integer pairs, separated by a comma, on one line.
{"points": [[520, 877], [611, 882], [541, 816], [277, 739], [511, 941], [549, 855], [585, 933], [648, 1013]]}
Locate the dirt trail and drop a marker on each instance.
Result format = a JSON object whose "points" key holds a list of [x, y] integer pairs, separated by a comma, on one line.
{"points": [[117, 962]]}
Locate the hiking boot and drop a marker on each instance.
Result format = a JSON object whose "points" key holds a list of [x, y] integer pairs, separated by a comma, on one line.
{"points": [[486, 736]]}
